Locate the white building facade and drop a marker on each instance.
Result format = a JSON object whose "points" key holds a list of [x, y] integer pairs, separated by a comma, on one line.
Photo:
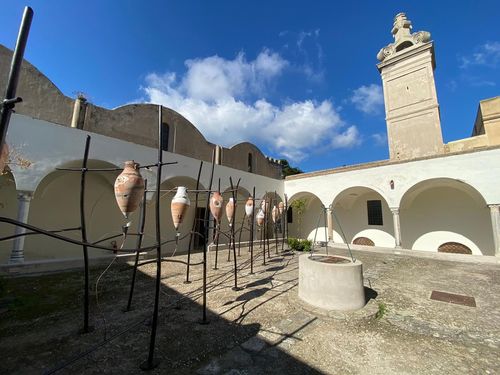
{"points": [[429, 196]]}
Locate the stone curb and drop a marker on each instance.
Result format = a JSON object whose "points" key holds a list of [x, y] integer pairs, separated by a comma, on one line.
{"points": [[368, 312]]}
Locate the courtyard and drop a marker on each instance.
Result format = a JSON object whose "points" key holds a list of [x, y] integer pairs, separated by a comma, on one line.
{"points": [[262, 328]]}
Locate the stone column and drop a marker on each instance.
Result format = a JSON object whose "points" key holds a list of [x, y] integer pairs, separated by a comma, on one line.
{"points": [[495, 223], [397, 226], [24, 199], [329, 221]]}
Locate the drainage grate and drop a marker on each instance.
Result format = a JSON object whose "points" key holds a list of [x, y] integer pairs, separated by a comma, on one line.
{"points": [[453, 298]]}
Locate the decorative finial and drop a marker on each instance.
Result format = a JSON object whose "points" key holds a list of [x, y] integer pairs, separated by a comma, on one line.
{"points": [[403, 38]]}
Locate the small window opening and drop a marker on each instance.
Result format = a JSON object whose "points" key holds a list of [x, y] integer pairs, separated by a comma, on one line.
{"points": [[164, 137], [289, 215], [250, 162], [374, 212]]}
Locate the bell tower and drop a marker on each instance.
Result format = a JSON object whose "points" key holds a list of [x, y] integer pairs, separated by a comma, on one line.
{"points": [[411, 106]]}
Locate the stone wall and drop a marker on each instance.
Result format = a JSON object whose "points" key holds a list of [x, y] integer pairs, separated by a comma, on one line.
{"points": [[137, 123], [41, 98]]}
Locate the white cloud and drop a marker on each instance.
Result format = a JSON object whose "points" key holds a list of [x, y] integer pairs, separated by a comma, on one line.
{"points": [[350, 137], [380, 139], [213, 94], [214, 78], [487, 54], [368, 99], [307, 52]]}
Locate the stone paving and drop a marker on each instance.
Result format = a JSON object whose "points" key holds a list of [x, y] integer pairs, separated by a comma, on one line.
{"points": [[263, 328]]}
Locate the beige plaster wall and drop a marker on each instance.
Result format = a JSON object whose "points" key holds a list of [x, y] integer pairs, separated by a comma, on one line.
{"points": [[452, 213], [353, 220], [411, 105], [490, 112], [55, 205], [41, 98], [467, 144], [8, 208], [237, 157], [308, 220]]}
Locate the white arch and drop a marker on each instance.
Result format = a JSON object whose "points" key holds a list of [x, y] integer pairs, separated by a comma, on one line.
{"points": [[302, 194], [424, 184], [53, 174], [359, 190], [430, 241], [439, 210]]}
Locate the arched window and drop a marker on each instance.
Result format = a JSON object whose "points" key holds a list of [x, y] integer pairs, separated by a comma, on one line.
{"points": [[454, 247], [164, 136], [363, 241], [250, 162]]}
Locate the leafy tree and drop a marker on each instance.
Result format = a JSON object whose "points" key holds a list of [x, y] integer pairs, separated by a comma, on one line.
{"points": [[289, 170]]}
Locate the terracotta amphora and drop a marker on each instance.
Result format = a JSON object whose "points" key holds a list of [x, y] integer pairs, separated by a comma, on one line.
{"points": [[260, 218], [4, 157], [179, 206], [275, 214], [249, 207], [264, 205], [281, 207], [230, 211], [216, 201], [129, 188]]}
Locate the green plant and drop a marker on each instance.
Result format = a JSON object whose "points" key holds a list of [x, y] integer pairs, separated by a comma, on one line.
{"points": [[293, 243], [299, 207], [306, 245], [382, 310], [299, 245]]}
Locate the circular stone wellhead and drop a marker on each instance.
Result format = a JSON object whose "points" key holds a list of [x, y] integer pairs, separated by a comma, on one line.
{"points": [[331, 282]]}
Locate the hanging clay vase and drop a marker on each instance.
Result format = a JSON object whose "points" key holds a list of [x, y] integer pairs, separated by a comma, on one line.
{"points": [[129, 188], [179, 206], [281, 207], [4, 157], [260, 218], [264, 205], [216, 201], [275, 214], [230, 211], [249, 207]]}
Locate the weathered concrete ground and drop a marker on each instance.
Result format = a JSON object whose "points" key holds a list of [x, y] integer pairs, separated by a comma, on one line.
{"points": [[261, 328]]}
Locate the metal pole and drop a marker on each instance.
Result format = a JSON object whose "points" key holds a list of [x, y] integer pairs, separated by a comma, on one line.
{"points": [[234, 193], [282, 226], [142, 221], [10, 100], [217, 232], [276, 224], [252, 231], [194, 223], [151, 362], [205, 244], [316, 231], [241, 232], [268, 216], [83, 230], [326, 229], [286, 221], [263, 234]]}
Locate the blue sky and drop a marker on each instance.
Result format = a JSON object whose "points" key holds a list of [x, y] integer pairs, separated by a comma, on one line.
{"points": [[296, 78]]}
